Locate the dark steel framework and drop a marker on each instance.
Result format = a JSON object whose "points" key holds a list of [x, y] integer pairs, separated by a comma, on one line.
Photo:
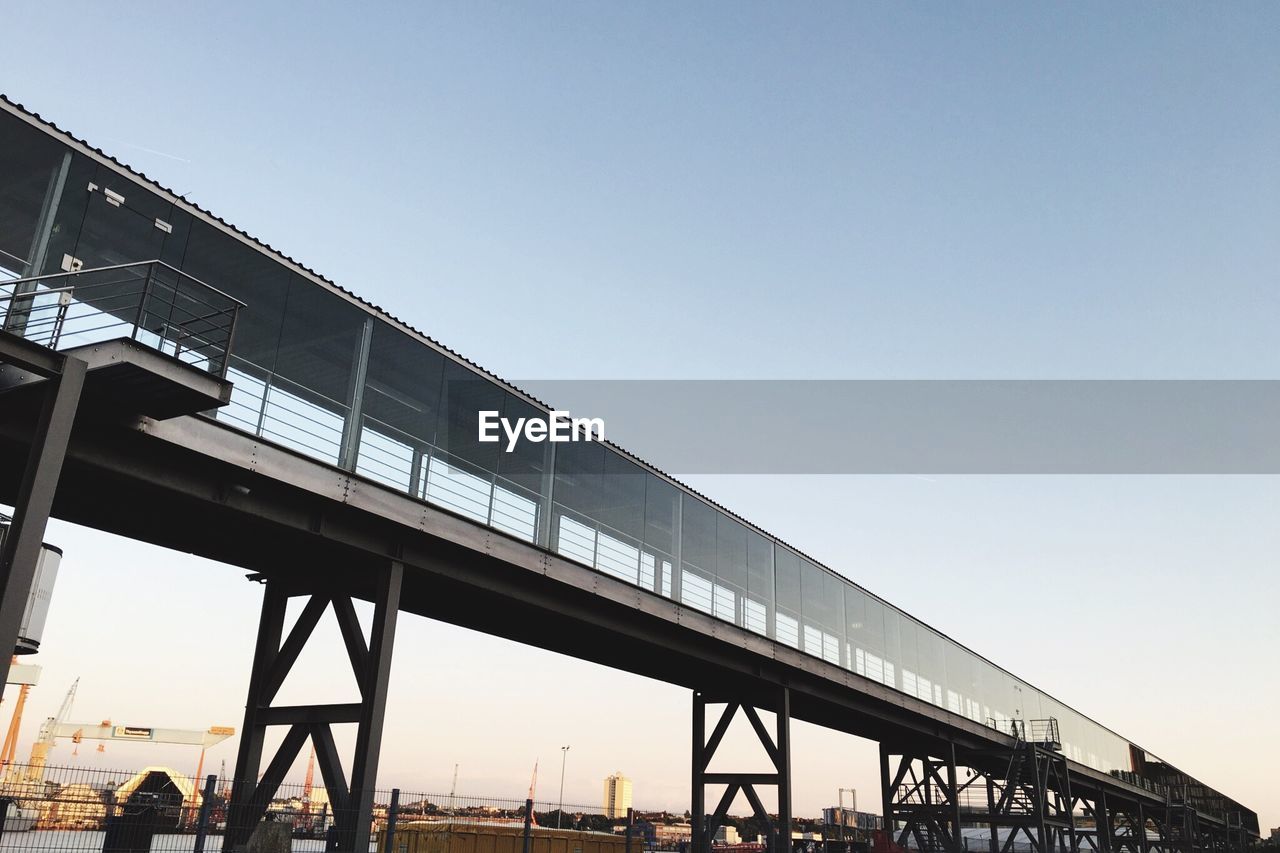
{"points": [[273, 659], [1021, 794], [59, 398], [777, 746], [212, 491], [186, 473]]}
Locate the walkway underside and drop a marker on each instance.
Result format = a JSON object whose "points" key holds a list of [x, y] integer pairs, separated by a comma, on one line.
{"points": [[311, 529]]}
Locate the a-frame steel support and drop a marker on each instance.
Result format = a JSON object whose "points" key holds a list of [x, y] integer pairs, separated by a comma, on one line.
{"points": [[351, 799], [778, 747]]}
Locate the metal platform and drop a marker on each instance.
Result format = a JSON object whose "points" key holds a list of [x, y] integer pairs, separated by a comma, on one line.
{"points": [[123, 378]]}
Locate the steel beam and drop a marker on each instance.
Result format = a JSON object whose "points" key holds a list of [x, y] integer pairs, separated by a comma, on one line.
{"points": [[373, 688], [25, 355], [230, 497], [777, 746], [45, 456], [351, 799]]}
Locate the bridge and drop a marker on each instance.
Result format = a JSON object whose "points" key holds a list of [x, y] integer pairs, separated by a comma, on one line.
{"points": [[169, 378]]}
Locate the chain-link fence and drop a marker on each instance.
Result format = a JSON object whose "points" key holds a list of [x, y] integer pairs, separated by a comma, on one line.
{"points": [[46, 808]]}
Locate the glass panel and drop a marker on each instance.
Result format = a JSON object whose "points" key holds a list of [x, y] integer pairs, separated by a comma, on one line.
{"points": [[124, 232], [579, 477], [29, 163], [865, 621], [661, 508], [823, 612], [465, 394], [309, 396], [698, 555], [933, 666], [757, 607], [263, 285], [787, 597], [521, 477], [401, 410], [402, 388], [731, 568], [661, 515], [622, 497]]}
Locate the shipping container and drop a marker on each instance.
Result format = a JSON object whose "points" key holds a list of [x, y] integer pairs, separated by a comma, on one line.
{"points": [[444, 837]]}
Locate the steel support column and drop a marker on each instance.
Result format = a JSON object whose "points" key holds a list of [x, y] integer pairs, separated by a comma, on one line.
{"points": [[274, 657], [920, 795], [1095, 807], [21, 550], [703, 827]]}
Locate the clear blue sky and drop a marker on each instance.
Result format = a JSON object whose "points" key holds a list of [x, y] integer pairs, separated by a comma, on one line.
{"points": [[747, 190]]}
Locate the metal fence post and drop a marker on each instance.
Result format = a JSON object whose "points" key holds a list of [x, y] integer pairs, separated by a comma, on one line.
{"points": [[528, 825], [392, 812], [631, 822], [202, 823]]}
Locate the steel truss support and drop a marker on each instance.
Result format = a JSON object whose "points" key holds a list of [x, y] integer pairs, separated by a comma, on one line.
{"points": [[921, 799], [1128, 827], [1177, 827], [21, 551], [778, 747], [1235, 837], [1031, 798], [1022, 795], [351, 799], [1094, 809]]}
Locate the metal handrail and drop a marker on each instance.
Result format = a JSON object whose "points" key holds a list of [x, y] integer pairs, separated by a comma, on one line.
{"points": [[156, 262], [182, 312]]}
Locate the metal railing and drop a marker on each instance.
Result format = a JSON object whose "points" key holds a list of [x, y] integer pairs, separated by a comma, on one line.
{"points": [[1040, 732], [148, 301]]}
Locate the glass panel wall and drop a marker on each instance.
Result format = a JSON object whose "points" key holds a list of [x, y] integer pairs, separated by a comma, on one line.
{"points": [[401, 410], [316, 373], [30, 164]]}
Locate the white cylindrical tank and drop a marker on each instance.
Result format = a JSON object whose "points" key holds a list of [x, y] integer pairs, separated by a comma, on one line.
{"points": [[37, 610]]}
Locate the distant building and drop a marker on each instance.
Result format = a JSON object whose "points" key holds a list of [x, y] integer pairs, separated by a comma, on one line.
{"points": [[851, 819], [728, 835], [668, 835], [617, 796]]}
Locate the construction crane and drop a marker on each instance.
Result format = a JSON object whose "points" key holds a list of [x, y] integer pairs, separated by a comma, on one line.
{"points": [[533, 791], [25, 675], [44, 742], [308, 784], [58, 727], [453, 789]]}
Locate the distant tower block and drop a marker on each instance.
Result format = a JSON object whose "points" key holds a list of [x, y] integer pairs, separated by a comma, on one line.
{"points": [[37, 611], [617, 796]]}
